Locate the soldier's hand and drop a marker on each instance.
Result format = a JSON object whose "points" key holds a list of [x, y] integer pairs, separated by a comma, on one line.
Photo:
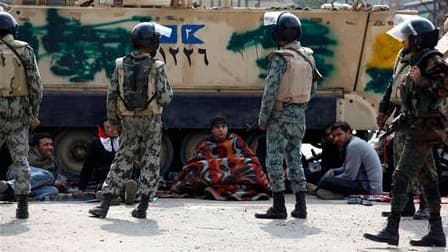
{"points": [[380, 119], [415, 73], [35, 122], [262, 127]]}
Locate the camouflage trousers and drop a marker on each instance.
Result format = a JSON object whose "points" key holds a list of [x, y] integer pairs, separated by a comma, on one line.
{"points": [[140, 142], [398, 146], [416, 161], [283, 142], [17, 143]]}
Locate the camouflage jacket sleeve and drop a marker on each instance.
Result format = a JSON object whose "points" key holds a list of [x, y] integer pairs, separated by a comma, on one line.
{"points": [[276, 71], [34, 82], [164, 90], [434, 82], [112, 97]]}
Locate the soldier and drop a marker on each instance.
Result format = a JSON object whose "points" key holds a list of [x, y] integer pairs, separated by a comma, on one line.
{"points": [[390, 104], [282, 114], [423, 90], [138, 91], [20, 97]]}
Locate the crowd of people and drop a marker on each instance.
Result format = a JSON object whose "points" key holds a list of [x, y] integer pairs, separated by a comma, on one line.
{"points": [[223, 166]]}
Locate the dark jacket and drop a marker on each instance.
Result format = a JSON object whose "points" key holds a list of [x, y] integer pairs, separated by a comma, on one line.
{"points": [[97, 164]]}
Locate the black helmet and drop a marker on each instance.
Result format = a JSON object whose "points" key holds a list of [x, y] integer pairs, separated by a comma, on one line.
{"points": [[144, 35], [8, 24], [288, 28], [421, 34]]}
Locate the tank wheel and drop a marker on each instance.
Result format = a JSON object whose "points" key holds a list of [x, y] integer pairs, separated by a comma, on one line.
{"points": [[189, 143], [166, 155], [71, 147]]}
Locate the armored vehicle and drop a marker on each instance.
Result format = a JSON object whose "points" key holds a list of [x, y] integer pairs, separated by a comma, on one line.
{"points": [[216, 60]]}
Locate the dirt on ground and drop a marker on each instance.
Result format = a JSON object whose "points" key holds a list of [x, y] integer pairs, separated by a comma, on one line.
{"points": [[203, 225]]}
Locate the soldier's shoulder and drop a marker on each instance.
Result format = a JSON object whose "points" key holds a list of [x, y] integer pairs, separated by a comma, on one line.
{"points": [[158, 63], [276, 57], [307, 50], [119, 61], [280, 54], [20, 44]]}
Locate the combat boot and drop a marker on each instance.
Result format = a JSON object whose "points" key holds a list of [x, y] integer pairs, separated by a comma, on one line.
{"points": [[22, 206], [409, 209], [389, 234], [423, 210], [140, 211], [278, 210], [101, 210], [300, 207], [435, 237]]}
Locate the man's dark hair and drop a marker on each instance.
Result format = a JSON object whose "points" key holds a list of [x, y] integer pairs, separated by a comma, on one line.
{"points": [[344, 126], [217, 121], [38, 136]]}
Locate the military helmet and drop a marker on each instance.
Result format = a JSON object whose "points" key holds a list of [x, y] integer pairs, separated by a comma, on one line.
{"points": [[421, 33], [8, 24], [145, 35], [288, 28]]}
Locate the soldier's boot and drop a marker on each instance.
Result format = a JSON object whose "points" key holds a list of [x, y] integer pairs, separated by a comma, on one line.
{"points": [[409, 209], [22, 207], [278, 210], [423, 210], [435, 237], [140, 211], [389, 234], [300, 207], [101, 210]]}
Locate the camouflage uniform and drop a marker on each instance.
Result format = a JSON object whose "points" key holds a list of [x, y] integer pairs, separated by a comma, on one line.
{"points": [[16, 114], [421, 104], [285, 130], [140, 140], [391, 101]]}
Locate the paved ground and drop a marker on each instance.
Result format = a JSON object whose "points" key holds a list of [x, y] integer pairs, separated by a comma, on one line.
{"points": [[201, 225]]}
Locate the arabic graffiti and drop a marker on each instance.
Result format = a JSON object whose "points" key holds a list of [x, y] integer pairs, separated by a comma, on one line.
{"points": [[316, 36], [79, 51]]}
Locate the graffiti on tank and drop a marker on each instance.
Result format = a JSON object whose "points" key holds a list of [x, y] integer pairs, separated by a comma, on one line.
{"points": [[79, 51], [316, 36], [379, 67]]}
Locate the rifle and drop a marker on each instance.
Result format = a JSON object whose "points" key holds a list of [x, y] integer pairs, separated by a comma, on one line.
{"points": [[399, 120]]}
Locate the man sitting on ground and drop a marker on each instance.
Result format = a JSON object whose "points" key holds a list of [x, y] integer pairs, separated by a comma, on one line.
{"points": [[223, 167], [45, 173], [361, 172], [99, 156]]}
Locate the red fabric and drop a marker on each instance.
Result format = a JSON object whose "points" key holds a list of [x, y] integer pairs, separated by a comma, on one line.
{"points": [[386, 197], [102, 133], [224, 170]]}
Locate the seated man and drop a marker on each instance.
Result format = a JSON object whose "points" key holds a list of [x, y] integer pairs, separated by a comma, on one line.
{"points": [[44, 170], [223, 167], [100, 154], [330, 157], [361, 172]]}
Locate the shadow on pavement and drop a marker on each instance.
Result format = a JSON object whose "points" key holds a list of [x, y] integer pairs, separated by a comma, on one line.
{"points": [[143, 227], [14, 227], [289, 229]]}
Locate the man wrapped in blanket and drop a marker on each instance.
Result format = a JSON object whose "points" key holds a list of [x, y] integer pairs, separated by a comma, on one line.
{"points": [[223, 167]]}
